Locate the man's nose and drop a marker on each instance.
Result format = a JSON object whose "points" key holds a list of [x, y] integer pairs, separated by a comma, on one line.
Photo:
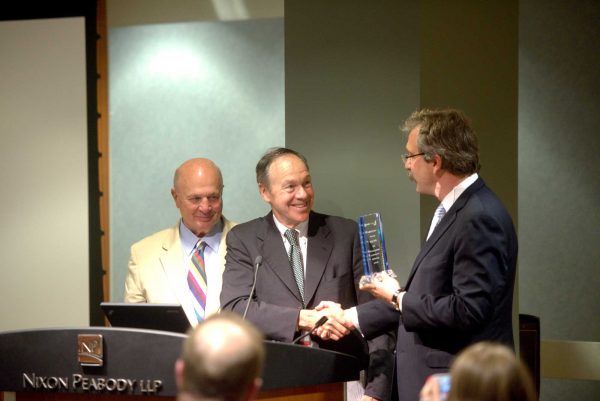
{"points": [[301, 192], [204, 204]]}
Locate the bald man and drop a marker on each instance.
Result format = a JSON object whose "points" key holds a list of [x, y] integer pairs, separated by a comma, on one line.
{"points": [[184, 264], [222, 360]]}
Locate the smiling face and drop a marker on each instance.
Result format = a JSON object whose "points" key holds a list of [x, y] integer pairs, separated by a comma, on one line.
{"points": [[197, 193], [289, 190]]}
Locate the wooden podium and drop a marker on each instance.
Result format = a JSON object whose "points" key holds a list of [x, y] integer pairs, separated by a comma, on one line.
{"points": [[101, 363]]}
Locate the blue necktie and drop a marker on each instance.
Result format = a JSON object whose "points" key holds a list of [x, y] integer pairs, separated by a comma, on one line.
{"points": [[437, 217]]}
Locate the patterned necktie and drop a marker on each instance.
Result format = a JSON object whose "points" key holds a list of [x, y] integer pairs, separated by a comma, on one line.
{"points": [[196, 279], [296, 259], [439, 214], [437, 217]]}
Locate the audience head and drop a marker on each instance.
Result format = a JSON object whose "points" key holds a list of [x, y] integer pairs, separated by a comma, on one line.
{"points": [[222, 359], [284, 182], [490, 372], [197, 191]]}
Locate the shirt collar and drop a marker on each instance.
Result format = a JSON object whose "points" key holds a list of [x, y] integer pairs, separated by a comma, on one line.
{"points": [[302, 228], [453, 195], [189, 239]]}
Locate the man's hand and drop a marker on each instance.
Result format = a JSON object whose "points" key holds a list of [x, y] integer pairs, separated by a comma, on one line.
{"points": [[382, 286], [337, 325], [334, 328]]}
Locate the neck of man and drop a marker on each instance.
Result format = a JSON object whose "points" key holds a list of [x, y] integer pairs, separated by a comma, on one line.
{"points": [[446, 183]]}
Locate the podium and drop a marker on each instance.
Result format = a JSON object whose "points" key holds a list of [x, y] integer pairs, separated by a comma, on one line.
{"points": [[104, 363]]}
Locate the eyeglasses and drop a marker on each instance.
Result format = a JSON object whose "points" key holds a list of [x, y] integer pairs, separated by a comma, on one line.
{"points": [[405, 157]]}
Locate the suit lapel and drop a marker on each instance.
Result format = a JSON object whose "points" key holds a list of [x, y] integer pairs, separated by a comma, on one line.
{"points": [[174, 271], [438, 233], [448, 220], [227, 225], [274, 254], [320, 246]]}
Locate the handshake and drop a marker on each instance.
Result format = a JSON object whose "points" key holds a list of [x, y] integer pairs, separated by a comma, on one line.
{"points": [[337, 324], [341, 321]]}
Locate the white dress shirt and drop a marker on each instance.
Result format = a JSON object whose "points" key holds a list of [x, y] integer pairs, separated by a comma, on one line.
{"points": [[302, 230]]}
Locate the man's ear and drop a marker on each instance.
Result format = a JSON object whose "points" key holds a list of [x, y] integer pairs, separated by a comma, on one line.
{"points": [[264, 193], [437, 163], [179, 367]]}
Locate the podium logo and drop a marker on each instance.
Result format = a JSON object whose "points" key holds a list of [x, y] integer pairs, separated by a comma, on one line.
{"points": [[90, 350]]}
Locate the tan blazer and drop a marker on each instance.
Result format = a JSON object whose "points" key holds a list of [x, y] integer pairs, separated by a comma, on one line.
{"points": [[155, 270]]}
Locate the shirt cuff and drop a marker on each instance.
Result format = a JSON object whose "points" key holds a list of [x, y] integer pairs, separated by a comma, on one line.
{"points": [[352, 315], [400, 300]]}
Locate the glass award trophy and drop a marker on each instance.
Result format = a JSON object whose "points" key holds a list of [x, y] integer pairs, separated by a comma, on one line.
{"points": [[372, 246]]}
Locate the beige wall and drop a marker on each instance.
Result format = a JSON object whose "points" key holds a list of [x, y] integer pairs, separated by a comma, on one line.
{"points": [[351, 77], [142, 12], [559, 192], [43, 159]]}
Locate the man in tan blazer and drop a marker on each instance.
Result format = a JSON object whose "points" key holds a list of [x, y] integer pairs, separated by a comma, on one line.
{"points": [[159, 264]]}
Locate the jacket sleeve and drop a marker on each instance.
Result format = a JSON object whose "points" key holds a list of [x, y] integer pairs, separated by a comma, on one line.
{"points": [[381, 344], [133, 286]]}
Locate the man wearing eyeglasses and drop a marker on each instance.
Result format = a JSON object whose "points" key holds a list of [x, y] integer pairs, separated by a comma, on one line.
{"points": [[460, 288], [184, 264]]}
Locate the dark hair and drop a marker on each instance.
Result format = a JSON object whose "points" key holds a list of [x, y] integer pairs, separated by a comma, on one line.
{"points": [[449, 134], [262, 167]]}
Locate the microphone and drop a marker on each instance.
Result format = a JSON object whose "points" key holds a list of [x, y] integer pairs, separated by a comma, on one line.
{"points": [[257, 263], [319, 323]]}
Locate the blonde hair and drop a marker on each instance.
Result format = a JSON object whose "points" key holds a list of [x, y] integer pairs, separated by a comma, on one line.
{"points": [[490, 372]]}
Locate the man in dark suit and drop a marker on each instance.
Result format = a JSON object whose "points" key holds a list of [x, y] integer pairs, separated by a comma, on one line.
{"points": [[460, 288], [307, 258]]}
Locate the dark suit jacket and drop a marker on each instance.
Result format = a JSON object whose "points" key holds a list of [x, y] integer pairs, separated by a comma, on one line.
{"points": [[459, 290], [333, 271]]}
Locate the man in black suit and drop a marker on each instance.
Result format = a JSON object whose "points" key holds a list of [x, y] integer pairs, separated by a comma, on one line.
{"points": [[460, 288], [318, 259]]}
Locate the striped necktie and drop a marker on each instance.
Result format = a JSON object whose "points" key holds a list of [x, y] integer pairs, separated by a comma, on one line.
{"points": [[296, 259], [196, 279], [437, 217]]}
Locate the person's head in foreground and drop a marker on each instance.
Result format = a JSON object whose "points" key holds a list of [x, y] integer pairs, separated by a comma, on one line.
{"points": [[222, 359], [485, 372]]}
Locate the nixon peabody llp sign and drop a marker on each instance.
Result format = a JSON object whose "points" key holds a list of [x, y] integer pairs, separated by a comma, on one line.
{"points": [[90, 353], [81, 383], [99, 361]]}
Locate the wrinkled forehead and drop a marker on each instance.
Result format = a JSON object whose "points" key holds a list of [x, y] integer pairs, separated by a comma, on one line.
{"points": [[285, 165]]}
